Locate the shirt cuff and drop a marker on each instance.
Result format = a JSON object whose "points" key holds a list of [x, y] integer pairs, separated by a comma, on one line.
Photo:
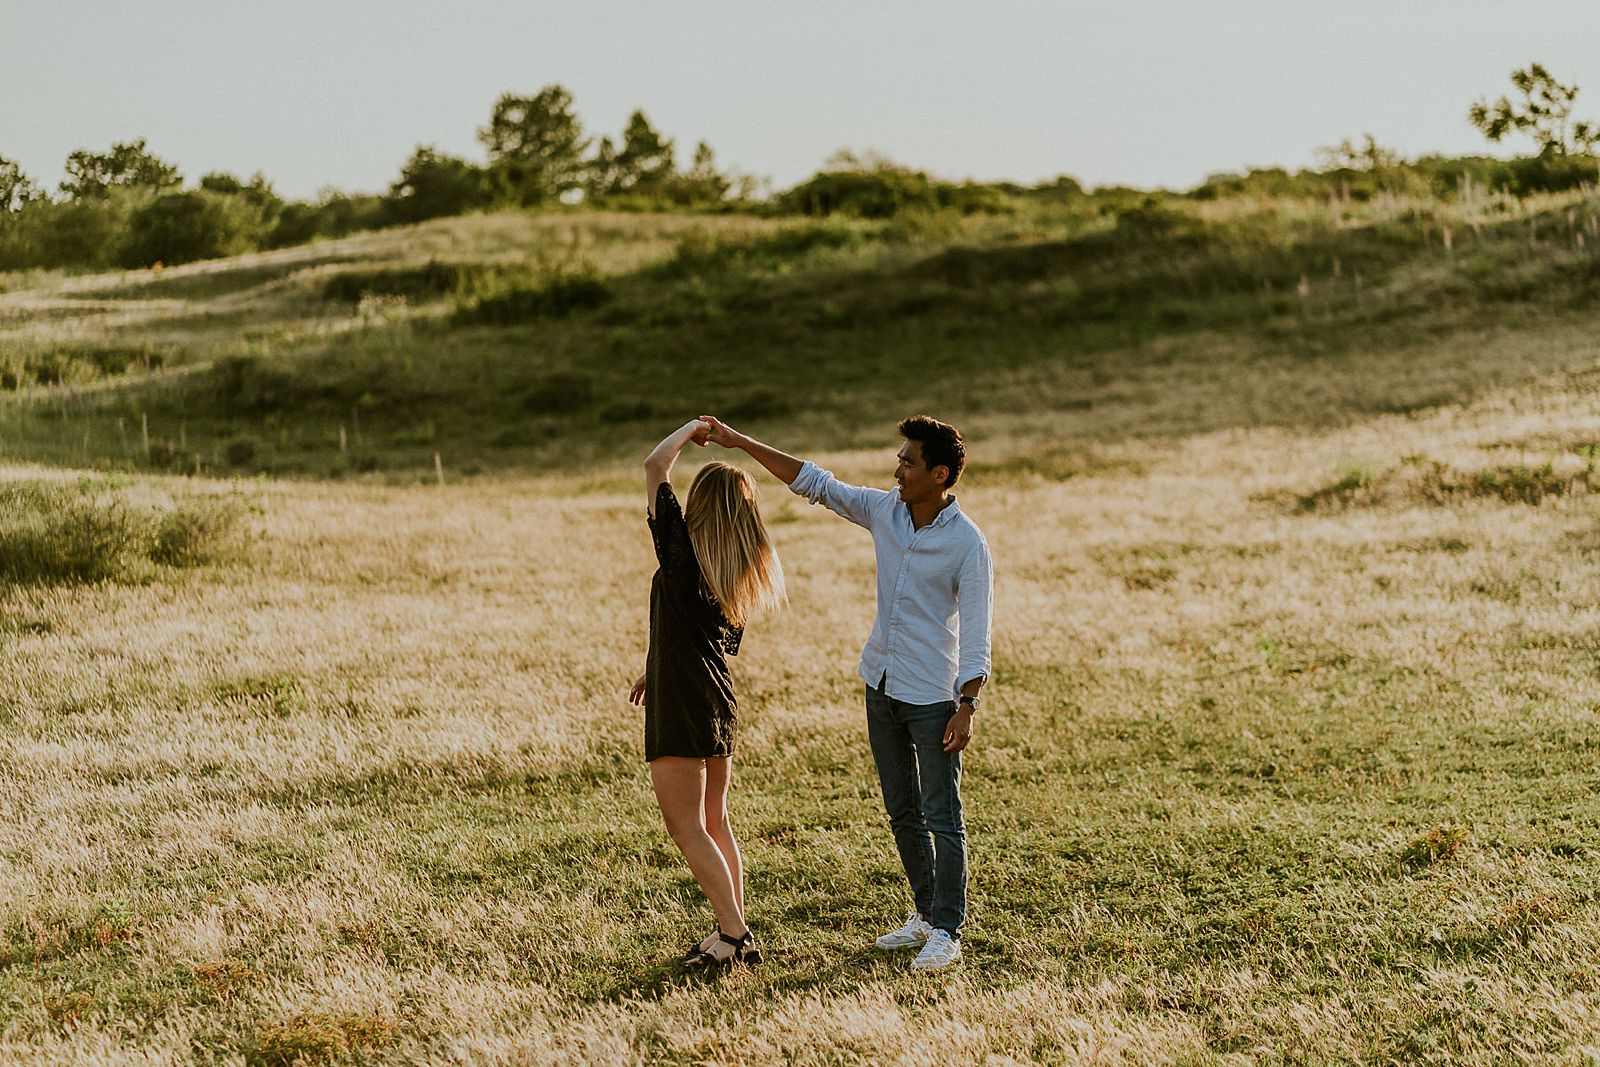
{"points": [[807, 470]]}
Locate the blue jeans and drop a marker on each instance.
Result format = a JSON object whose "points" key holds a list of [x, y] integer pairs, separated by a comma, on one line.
{"points": [[922, 794]]}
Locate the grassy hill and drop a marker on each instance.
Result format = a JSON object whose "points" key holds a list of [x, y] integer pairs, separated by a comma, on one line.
{"points": [[517, 342], [1290, 755]]}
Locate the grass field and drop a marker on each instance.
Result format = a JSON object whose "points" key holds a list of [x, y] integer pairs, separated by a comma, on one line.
{"points": [[1290, 756]]}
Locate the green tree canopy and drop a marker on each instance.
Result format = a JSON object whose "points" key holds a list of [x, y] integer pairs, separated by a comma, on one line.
{"points": [[647, 159], [702, 183], [1542, 110], [432, 184], [257, 191], [604, 175], [127, 165], [16, 188], [535, 145], [1366, 154]]}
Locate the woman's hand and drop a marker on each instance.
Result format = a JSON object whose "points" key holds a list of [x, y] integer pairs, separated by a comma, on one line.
{"points": [[636, 694], [721, 432], [699, 431]]}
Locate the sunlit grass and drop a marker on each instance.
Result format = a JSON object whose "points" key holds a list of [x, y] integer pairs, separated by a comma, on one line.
{"points": [[1289, 757], [1255, 779]]}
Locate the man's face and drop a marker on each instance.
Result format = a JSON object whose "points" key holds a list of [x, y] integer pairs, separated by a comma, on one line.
{"points": [[916, 481]]}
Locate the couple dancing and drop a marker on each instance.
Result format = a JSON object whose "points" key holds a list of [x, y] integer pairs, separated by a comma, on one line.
{"points": [[923, 665]]}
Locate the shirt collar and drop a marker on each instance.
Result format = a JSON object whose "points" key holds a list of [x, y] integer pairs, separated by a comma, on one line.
{"points": [[946, 513]]}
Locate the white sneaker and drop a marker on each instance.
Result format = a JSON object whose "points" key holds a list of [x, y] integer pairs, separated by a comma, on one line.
{"points": [[940, 952], [912, 935]]}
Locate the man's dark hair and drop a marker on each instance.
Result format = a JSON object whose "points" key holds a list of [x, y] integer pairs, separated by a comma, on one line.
{"points": [[942, 445]]}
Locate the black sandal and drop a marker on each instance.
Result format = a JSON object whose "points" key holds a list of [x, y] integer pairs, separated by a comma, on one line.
{"points": [[696, 949], [744, 951]]}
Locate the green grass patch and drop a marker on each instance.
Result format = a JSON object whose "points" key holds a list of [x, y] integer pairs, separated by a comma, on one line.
{"points": [[560, 293], [433, 280]]}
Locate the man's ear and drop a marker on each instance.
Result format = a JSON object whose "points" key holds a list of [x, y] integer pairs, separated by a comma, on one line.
{"points": [[944, 481]]}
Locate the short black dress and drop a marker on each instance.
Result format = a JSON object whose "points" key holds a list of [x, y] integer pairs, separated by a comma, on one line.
{"points": [[689, 708]]}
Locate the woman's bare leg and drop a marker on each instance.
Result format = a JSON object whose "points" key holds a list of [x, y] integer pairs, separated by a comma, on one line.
{"points": [[680, 786], [719, 775]]}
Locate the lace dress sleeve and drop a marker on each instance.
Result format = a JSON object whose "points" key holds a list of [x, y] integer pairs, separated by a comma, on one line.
{"points": [[670, 533]]}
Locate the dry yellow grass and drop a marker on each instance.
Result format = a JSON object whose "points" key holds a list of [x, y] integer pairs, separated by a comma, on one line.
{"points": [[377, 794]]}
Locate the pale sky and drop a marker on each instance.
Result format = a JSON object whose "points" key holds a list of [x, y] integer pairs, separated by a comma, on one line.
{"points": [[1137, 92]]}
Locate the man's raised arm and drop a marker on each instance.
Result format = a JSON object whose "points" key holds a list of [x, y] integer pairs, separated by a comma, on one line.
{"points": [[780, 465], [806, 479]]}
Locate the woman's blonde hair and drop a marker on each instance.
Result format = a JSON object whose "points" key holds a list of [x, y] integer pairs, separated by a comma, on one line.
{"points": [[737, 561]]}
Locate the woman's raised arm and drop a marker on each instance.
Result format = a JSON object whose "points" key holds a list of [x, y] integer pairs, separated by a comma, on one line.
{"points": [[658, 464]]}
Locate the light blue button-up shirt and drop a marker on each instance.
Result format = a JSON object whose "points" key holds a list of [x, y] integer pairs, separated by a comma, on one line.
{"points": [[935, 590]]}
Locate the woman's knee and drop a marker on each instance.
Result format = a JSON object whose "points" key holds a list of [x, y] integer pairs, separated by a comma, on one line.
{"points": [[682, 826], [718, 824]]}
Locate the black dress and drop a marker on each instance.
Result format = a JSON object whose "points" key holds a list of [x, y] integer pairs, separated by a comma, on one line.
{"points": [[689, 708]]}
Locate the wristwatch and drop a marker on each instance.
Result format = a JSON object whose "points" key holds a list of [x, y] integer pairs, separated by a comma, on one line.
{"points": [[968, 700]]}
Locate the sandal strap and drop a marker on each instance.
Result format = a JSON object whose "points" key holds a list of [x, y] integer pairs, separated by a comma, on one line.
{"points": [[737, 942]]}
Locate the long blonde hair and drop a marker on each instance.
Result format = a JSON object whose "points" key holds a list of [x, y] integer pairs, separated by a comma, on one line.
{"points": [[737, 562]]}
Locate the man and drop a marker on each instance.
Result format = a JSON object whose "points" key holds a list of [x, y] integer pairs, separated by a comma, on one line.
{"points": [[924, 663]]}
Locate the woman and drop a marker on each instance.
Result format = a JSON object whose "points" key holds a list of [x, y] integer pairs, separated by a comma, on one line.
{"points": [[717, 569]]}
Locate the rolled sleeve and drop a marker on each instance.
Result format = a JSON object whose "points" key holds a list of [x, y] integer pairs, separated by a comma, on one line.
{"points": [[975, 605], [854, 502]]}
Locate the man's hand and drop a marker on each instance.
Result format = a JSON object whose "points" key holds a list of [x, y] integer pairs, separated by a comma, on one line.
{"points": [[780, 465], [958, 731], [636, 694], [721, 432]]}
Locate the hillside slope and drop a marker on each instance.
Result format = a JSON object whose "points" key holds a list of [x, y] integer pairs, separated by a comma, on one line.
{"points": [[513, 341]]}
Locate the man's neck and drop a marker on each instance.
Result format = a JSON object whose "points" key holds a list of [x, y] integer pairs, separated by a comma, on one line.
{"points": [[926, 511]]}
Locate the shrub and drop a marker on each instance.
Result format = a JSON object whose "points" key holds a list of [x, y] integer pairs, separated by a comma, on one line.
{"points": [[74, 363], [972, 198], [200, 530], [880, 193], [335, 216], [1152, 219], [77, 233], [1552, 173], [432, 185], [181, 227], [52, 532]]}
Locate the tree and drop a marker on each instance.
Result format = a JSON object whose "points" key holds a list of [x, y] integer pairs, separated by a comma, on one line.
{"points": [[1543, 111], [702, 183], [432, 185], [128, 165], [647, 159], [257, 191], [16, 188], [535, 144], [1368, 155], [604, 176]]}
